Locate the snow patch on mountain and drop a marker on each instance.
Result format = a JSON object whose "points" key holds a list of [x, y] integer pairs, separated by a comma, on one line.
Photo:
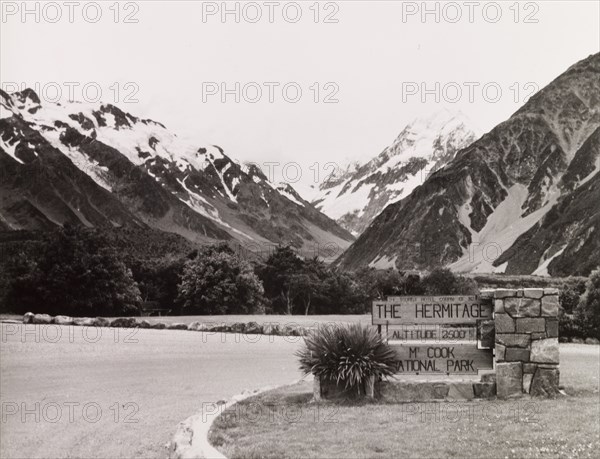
{"points": [[10, 148], [544, 263], [383, 262], [286, 190], [502, 229]]}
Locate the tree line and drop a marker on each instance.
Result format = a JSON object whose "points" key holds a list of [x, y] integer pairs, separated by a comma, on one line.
{"points": [[83, 272], [78, 271]]}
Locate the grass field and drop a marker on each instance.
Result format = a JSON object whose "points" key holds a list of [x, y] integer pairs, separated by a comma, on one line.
{"points": [[305, 321], [229, 319], [285, 424]]}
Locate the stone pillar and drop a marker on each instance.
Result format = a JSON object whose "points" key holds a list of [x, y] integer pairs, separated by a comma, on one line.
{"points": [[526, 342]]}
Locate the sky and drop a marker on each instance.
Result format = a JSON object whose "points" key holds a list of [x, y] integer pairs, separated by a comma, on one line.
{"points": [[317, 84]]}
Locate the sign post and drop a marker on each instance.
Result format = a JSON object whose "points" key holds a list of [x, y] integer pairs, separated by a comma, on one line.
{"points": [[435, 334]]}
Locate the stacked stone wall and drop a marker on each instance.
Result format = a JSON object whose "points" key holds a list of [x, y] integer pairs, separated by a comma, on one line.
{"points": [[526, 342]]}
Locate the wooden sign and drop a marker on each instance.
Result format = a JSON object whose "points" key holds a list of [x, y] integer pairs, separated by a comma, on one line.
{"points": [[431, 310], [431, 333], [442, 358]]}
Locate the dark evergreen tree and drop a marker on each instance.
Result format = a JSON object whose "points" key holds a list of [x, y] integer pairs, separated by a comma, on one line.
{"points": [[77, 273]]}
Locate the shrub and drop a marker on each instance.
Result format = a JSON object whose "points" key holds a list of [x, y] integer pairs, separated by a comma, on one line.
{"points": [[442, 281], [570, 294], [219, 282], [587, 314], [348, 355]]}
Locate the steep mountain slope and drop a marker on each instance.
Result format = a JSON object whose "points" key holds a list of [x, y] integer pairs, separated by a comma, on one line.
{"points": [[101, 166], [354, 196], [542, 161], [566, 241]]}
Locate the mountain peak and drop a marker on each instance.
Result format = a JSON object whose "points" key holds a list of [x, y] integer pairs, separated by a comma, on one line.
{"points": [[356, 195]]}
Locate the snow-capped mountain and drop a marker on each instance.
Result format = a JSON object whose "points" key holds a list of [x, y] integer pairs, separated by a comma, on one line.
{"points": [[355, 195], [524, 198], [101, 166]]}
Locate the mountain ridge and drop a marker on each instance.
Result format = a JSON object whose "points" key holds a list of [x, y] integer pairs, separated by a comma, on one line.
{"points": [[107, 167], [496, 189]]}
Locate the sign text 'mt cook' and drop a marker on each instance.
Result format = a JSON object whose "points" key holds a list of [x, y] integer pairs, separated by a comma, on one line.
{"points": [[431, 309]]}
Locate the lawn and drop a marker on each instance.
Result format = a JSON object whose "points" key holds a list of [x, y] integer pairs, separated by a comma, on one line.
{"points": [[305, 321], [285, 423]]}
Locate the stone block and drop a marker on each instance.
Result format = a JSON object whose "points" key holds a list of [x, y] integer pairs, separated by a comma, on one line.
{"points": [[527, 378], [63, 320], [486, 293], [513, 339], [538, 335], [486, 331], [504, 323], [505, 293], [370, 387], [403, 391], [253, 328], [84, 321], [498, 306], [42, 319], [317, 389], [331, 389], [545, 382], [460, 391], [551, 291], [552, 328], [488, 378], [530, 325], [529, 368], [522, 307], [484, 389], [550, 306], [500, 351], [124, 322], [533, 293], [238, 327], [545, 351], [28, 318], [101, 322], [516, 354], [271, 329], [509, 379]]}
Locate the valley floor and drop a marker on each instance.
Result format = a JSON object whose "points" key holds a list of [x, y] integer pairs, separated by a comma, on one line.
{"points": [[121, 393]]}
